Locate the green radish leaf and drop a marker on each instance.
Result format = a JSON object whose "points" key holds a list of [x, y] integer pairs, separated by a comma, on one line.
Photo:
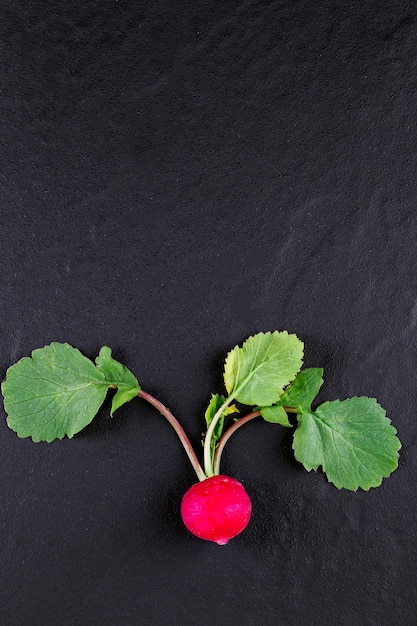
{"points": [[55, 392], [214, 405], [275, 414], [58, 391], [299, 395], [352, 440], [118, 375], [257, 373], [303, 390]]}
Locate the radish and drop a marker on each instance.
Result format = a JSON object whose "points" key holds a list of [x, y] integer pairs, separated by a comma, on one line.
{"points": [[57, 391], [217, 509]]}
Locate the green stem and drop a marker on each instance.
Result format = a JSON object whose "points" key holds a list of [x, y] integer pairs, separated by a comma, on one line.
{"points": [[208, 460], [178, 429]]}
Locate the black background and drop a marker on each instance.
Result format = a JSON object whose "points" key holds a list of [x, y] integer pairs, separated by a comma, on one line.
{"points": [[174, 178]]}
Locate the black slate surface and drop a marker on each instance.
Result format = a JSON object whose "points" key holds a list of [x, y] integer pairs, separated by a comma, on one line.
{"points": [[174, 178]]}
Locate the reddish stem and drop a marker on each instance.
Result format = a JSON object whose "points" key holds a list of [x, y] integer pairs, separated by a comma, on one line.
{"points": [[178, 429], [226, 436]]}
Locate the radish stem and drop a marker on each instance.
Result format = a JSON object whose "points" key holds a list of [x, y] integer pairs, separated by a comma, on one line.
{"points": [[178, 429]]}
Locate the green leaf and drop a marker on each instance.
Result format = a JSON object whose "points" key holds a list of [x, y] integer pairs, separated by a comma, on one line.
{"points": [[275, 414], [118, 375], [257, 373], [58, 391], [301, 393], [55, 392], [214, 405], [352, 440]]}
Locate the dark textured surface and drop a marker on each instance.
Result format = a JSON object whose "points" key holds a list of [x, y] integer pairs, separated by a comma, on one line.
{"points": [[174, 178]]}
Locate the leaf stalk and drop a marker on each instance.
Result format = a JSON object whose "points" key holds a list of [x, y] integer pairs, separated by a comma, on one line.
{"points": [[226, 436], [163, 410], [208, 460], [232, 429]]}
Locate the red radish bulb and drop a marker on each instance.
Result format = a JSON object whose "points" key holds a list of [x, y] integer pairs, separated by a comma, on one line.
{"points": [[217, 509]]}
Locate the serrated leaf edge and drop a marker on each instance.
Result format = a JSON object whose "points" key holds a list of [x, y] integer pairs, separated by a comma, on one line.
{"points": [[235, 392], [384, 475]]}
